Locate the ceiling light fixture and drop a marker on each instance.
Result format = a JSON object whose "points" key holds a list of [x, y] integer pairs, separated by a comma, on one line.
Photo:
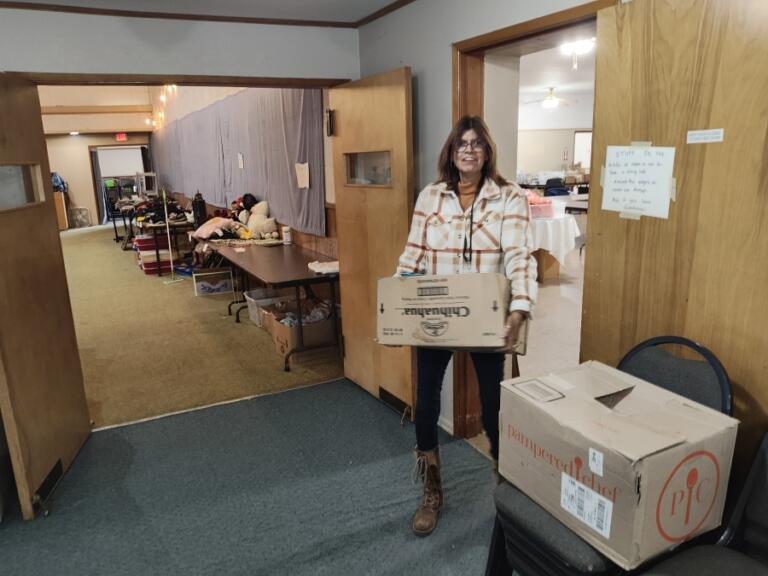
{"points": [[577, 48], [147, 121], [550, 102], [162, 98]]}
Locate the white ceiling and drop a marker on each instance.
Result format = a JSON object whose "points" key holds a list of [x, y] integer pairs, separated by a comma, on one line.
{"points": [[332, 10], [552, 69]]}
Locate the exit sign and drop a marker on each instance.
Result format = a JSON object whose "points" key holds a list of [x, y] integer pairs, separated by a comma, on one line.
{"points": [[121, 137]]}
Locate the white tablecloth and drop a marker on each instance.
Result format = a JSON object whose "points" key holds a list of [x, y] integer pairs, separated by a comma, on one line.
{"points": [[555, 235]]}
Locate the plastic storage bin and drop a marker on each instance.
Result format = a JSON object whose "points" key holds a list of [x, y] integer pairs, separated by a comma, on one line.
{"points": [[555, 209]]}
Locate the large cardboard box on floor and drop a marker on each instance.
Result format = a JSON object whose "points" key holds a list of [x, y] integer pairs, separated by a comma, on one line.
{"points": [[452, 311], [632, 468]]}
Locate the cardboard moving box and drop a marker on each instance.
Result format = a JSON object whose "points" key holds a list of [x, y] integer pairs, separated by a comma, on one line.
{"points": [[453, 311], [632, 468], [286, 338]]}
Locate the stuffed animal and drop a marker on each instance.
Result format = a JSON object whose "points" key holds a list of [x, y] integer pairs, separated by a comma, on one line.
{"points": [[260, 224], [215, 228]]}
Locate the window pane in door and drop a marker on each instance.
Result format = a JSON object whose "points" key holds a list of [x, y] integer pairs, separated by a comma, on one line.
{"points": [[15, 187]]}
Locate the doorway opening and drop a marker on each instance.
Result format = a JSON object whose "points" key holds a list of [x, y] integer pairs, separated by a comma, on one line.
{"points": [[499, 76], [150, 347]]}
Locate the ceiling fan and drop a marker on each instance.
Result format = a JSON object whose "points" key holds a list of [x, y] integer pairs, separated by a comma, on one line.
{"points": [[551, 101]]}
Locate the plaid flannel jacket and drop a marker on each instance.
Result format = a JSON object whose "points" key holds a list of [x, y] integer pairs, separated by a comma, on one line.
{"points": [[501, 238]]}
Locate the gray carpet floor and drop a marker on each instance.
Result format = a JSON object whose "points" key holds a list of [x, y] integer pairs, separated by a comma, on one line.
{"points": [[310, 481]]}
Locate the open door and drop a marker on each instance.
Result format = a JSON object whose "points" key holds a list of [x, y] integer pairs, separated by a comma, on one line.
{"points": [[693, 76], [42, 400], [373, 169]]}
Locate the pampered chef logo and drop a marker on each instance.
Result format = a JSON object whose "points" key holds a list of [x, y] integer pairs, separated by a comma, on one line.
{"points": [[688, 496], [574, 467]]}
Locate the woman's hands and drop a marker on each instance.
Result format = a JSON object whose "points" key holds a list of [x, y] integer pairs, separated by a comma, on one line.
{"points": [[514, 323]]}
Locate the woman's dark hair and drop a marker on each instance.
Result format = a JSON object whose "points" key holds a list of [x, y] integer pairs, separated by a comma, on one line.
{"points": [[446, 169]]}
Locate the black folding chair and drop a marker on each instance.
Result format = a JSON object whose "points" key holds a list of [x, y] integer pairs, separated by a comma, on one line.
{"points": [[703, 379], [743, 547], [536, 542]]}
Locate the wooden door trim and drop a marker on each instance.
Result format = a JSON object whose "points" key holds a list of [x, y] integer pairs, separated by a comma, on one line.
{"points": [[78, 79], [472, 49], [467, 98]]}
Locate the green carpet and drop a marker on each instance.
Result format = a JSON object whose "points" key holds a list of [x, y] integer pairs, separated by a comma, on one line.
{"points": [[149, 348], [312, 482]]}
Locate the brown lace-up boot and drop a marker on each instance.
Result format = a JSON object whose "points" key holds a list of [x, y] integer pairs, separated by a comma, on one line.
{"points": [[428, 471]]}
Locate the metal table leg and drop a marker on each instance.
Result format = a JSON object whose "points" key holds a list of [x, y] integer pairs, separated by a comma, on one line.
{"points": [[287, 366], [246, 287]]}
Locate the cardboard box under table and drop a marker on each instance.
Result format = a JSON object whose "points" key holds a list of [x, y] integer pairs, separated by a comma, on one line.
{"points": [[286, 338], [630, 467], [463, 311]]}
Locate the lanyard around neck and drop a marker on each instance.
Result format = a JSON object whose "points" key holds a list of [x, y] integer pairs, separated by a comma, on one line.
{"points": [[466, 253]]}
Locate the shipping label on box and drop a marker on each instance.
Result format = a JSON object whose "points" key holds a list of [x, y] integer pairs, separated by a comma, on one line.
{"points": [[630, 467], [453, 311]]}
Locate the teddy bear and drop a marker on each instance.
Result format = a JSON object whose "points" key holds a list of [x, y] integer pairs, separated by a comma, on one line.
{"points": [[259, 222]]}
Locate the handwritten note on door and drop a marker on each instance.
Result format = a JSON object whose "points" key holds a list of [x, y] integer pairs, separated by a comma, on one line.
{"points": [[638, 180]]}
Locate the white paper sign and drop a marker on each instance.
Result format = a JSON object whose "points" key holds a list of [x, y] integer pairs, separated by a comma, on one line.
{"points": [[302, 175], [637, 180], [704, 136]]}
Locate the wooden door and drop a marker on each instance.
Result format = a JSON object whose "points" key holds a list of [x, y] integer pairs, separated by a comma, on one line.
{"points": [[42, 400], [664, 68], [373, 211]]}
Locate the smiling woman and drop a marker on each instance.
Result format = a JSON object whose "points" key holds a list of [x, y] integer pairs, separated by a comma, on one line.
{"points": [[470, 221]]}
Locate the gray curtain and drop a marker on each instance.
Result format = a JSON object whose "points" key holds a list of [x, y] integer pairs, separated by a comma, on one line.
{"points": [[273, 129]]}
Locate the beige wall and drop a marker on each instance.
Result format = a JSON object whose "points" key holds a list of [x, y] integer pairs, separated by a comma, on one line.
{"points": [[93, 95], [69, 156], [502, 82], [104, 97], [540, 150], [95, 123]]}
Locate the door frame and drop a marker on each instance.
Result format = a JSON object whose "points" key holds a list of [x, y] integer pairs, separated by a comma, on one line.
{"points": [[468, 94], [97, 185]]}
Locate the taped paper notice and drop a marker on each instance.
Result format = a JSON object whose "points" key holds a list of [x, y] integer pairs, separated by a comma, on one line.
{"points": [[240, 162], [637, 180], [596, 461], [586, 505], [705, 136], [302, 175]]}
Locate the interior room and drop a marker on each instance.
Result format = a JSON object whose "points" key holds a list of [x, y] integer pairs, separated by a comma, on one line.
{"points": [[376, 287], [116, 147]]}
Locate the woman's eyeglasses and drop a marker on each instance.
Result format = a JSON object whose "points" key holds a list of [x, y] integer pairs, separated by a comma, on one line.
{"points": [[467, 145]]}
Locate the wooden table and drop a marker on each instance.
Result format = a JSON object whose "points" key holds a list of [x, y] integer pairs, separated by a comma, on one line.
{"points": [[284, 266], [553, 238]]}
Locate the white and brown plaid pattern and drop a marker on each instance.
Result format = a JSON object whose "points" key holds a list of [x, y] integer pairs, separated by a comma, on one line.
{"points": [[501, 238]]}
